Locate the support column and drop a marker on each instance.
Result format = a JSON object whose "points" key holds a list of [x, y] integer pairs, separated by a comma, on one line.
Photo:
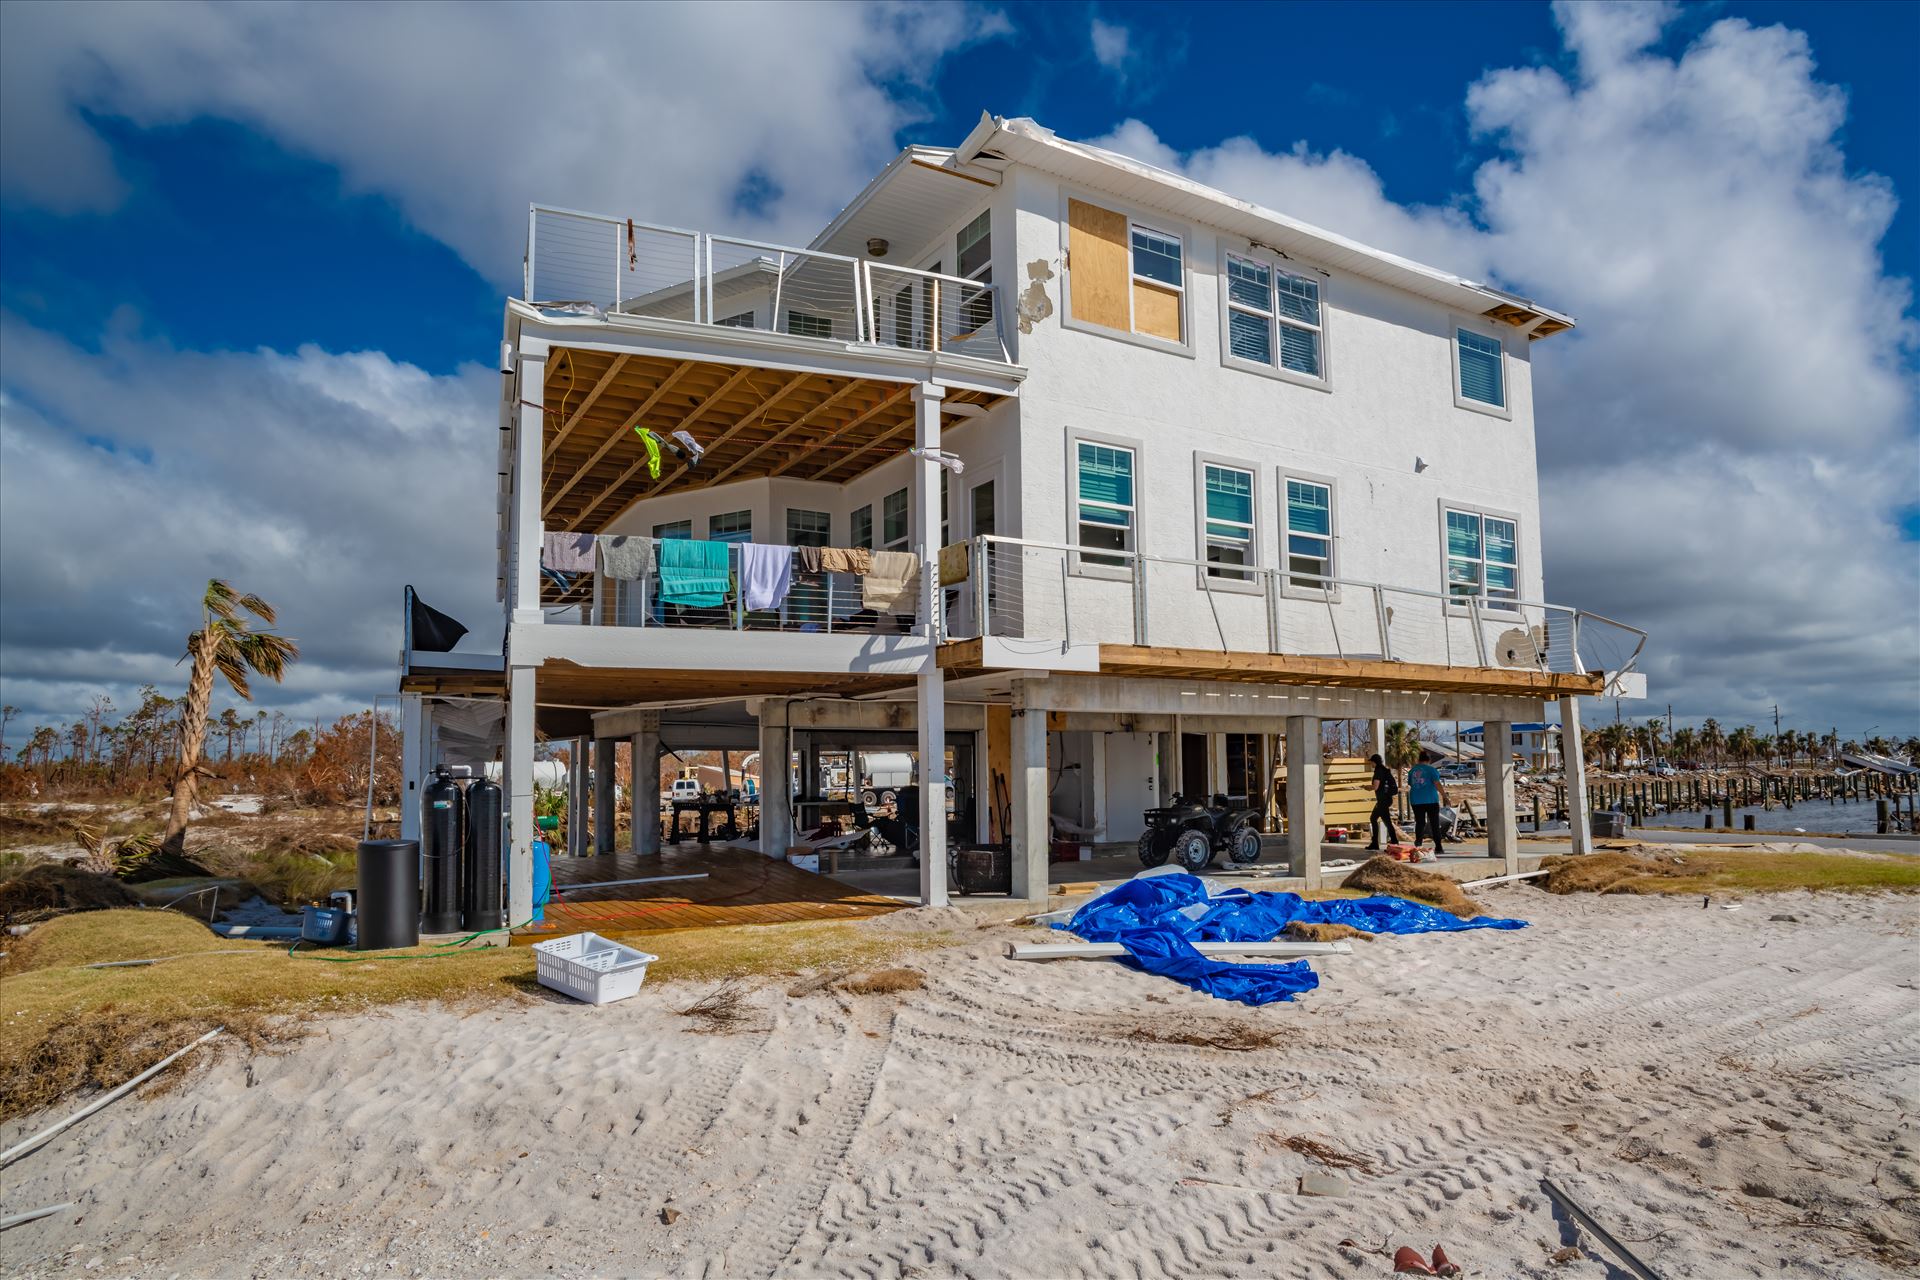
{"points": [[518, 773], [577, 803], [1306, 802], [603, 785], [1029, 763], [1573, 756], [776, 780], [525, 527], [645, 795], [1377, 737], [413, 762], [1503, 825], [931, 691]]}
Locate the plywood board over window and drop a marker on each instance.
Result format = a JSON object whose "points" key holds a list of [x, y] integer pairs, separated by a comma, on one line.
{"points": [[1156, 311], [1097, 258]]}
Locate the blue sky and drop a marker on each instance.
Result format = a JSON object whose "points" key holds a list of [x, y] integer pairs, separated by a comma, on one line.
{"points": [[222, 227]]}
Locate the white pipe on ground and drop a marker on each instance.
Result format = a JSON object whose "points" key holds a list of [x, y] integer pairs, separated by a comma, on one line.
{"points": [[53, 1131], [1105, 950], [1481, 884]]}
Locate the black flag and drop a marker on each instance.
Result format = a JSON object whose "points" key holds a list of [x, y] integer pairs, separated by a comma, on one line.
{"points": [[432, 630]]}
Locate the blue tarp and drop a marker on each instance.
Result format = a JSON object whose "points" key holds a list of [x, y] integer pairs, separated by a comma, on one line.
{"points": [[1157, 918]]}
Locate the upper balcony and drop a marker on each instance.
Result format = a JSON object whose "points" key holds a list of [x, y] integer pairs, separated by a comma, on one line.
{"points": [[618, 269]]}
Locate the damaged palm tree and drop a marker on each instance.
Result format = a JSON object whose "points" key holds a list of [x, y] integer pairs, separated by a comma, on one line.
{"points": [[227, 644]]}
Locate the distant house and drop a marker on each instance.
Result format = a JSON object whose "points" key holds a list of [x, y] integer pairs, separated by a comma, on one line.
{"points": [[1537, 745]]}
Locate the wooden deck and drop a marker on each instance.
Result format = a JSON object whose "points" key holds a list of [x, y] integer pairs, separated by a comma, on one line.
{"points": [[742, 887]]}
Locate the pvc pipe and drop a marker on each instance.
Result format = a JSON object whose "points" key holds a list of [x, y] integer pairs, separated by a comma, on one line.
{"points": [[609, 884], [1524, 875], [53, 1131], [1104, 950], [13, 1220]]}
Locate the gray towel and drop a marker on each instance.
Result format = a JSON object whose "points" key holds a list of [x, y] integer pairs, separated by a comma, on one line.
{"points": [[567, 552], [626, 557]]}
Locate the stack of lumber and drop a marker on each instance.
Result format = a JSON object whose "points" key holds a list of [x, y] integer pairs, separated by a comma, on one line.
{"points": [[1344, 781]]}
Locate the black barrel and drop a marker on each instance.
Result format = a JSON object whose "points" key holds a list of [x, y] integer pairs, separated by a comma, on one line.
{"points": [[387, 908], [442, 829], [482, 902]]}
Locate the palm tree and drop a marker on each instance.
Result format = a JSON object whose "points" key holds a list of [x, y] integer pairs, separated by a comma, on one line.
{"points": [[1742, 742], [227, 644], [1656, 730], [1712, 740], [1685, 743]]}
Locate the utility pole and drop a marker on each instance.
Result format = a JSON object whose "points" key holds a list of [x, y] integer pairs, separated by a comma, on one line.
{"points": [[1776, 719], [1669, 722]]}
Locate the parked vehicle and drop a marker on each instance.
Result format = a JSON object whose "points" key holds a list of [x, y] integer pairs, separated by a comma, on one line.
{"points": [[684, 789], [883, 773], [1192, 834], [1458, 772]]}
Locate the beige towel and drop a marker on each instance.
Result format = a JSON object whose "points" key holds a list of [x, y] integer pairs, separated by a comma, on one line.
{"points": [[954, 562], [846, 559], [892, 585]]}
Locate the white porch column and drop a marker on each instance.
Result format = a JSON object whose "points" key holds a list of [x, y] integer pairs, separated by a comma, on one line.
{"points": [[645, 794], [577, 803], [1503, 827], [413, 762], [1377, 735], [932, 693], [525, 528], [518, 775], [1028, 847], [603, 807], [1306, 808], [776, 780], [1573, 760]]}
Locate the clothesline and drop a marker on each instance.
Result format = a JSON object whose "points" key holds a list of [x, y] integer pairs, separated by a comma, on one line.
{"points": [[704, 574]]}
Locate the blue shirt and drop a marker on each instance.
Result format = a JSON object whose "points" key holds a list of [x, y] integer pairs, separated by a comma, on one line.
{"points": [[1423, 784]]}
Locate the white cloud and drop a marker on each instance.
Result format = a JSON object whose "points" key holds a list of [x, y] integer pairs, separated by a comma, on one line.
{"points": [[1111, 43], [465, 115], [324, 482], [1716, 438]]}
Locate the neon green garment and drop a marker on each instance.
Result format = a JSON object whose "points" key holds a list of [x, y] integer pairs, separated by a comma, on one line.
{"points": [[653, 451]]}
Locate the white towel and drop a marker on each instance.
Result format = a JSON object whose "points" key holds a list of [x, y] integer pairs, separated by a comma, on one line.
{"points": [[766, 574]]}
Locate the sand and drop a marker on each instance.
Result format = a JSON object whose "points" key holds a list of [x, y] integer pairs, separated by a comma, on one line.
{"points": [[1709, 1082]]}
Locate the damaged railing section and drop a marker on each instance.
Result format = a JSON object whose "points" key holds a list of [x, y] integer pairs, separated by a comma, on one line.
{"points": [[1048, 591], [593, 264]]}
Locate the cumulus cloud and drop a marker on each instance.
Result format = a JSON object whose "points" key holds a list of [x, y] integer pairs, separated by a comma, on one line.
{"points": [[463, 115], [324, 482], [1728, 438]]}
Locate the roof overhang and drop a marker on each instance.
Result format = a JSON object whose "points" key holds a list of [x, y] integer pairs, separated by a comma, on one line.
{"points": [[907, 203], [1024, 141]]}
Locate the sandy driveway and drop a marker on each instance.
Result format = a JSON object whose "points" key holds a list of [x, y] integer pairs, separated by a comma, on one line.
{"points": [[1709, 1082]]}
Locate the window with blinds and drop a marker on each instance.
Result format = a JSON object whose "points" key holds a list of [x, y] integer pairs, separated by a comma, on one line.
{"points": [[1273, 317], [1483, 559], [1227, 495], [1482, 379], [1104, 489], [1309, 535]]}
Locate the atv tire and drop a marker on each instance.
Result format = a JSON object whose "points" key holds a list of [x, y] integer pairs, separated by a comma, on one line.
{"points": [[1151, 854], [1193, 850], [1243, 845]]}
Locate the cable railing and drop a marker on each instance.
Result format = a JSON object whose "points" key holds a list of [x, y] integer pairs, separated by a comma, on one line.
{"points": [[1038, 591], [599, 265]]}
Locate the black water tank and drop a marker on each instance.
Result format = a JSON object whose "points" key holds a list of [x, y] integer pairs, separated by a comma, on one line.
{"points": [[443, 814], [387, 908], [482, 901]]}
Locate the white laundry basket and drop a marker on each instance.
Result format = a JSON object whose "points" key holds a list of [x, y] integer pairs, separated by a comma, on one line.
{"points": [[589, 967]]}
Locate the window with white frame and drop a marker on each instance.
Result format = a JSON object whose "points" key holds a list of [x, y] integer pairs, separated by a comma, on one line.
{"points": [[893, 521], [1273, 317], [1227, 498], [1483, 558], [742, 321], [673, 529], [808, 528], [973, 258], [1156, 257], [862, 530], [1309, 534], [1482, 378], [946, 522], [802, 325], [730, 526], [1104, 493]]}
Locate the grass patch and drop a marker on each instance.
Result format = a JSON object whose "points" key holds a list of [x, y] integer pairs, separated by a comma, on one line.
{"points": [[1700, 870], [885, 982], [1381, 874], [744, 950]]}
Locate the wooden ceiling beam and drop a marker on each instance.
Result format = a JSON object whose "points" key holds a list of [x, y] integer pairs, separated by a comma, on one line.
{"points": [[574, 418], [619, 433], [885, 402], [691, 417], [789, 429]]}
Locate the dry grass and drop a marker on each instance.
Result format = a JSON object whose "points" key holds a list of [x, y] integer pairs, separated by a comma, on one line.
{"points": [[1321, 1153], [720, 1011], [53, 887], [1234, 1037], [1301, 931], [882, 982], [1647, 869], [739, 950], [1381, 874]]}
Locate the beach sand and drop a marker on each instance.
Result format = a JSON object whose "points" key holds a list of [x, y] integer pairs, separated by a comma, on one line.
{"points": [[1735, 1092]]}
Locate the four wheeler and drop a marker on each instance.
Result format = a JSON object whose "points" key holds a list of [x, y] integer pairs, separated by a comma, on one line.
{"points": [[1192, 833]]}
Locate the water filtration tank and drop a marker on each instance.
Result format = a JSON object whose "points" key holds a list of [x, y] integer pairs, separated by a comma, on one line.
{"points": [[388, 903], [481, 905], [443, 821]]}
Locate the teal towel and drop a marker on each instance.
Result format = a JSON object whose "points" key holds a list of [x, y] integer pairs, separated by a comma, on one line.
{"points": [[693, 573]]}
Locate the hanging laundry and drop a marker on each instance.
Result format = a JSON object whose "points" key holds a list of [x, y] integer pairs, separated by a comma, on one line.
{"points": [[626, 557], [692, 447], [766, 574], [810, 560], [846, 560], [567, 552], [692, 573], [651, 443], [954, 562], [892, 585]]}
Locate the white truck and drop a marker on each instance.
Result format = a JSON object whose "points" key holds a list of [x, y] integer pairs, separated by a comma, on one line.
{"points": [[882, 774]]}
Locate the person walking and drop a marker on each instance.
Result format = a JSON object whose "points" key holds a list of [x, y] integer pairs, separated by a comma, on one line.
{"points": [[1426, 795], [1385, 788]]}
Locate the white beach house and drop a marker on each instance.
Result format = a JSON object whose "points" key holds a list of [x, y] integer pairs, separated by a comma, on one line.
{"points": [[1205, 477]]}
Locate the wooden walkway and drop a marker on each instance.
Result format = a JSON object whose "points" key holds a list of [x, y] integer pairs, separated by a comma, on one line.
{"points": [[742, 887]]}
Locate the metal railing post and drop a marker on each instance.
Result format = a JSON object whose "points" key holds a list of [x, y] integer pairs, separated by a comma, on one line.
{"points": [[979, 567], [865, 270], [1270, 586], [1333, 620], [533, 239], [779, 285], [616, 266], [1380, 613], [1479, 631], [707, 318], [829, 578], [1140, 629]]}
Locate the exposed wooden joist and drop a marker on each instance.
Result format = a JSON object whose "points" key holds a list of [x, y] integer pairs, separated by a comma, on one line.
{"points": [[691, 417], [761, 411], [788, 430], [1207, 664], [574, 418], [618, 434], [885, 436], [885, 403]]}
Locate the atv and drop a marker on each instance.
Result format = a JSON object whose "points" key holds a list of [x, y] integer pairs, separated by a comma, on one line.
{"points": [[1193, 833]]}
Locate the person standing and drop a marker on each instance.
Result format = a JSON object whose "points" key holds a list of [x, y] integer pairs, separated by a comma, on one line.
{"points": [[1385, 788], [1426, 795]]}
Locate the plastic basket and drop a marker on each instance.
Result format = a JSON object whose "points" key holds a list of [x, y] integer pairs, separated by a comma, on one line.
{"points": [[589, 967]]}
